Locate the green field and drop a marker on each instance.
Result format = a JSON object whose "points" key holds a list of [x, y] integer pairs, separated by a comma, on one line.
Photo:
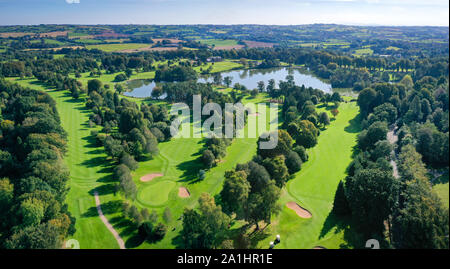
{"points": [[219, 66], [315, 185], [219, 42], [364, 51], [118, 47]]}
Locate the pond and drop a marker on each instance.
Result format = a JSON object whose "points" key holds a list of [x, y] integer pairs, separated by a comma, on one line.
{"points": [[141, 88], [249, 78]]}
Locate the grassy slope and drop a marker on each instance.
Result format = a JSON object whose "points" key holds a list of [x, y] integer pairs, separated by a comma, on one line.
{"points": [[314, 187]]}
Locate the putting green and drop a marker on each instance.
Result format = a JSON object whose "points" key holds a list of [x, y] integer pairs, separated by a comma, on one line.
{"points": [[156, 194]]}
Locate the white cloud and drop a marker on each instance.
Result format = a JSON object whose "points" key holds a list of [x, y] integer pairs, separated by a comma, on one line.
{"points": [[72, 1]]}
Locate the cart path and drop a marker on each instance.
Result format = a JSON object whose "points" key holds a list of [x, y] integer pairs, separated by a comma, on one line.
{"points": [[106, 222], [392, 137]]}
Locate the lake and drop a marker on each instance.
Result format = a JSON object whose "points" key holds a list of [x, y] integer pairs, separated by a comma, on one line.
{"points": [[249, 78], [141, 88]]}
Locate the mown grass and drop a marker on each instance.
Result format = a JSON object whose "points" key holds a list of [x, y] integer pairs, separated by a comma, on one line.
{"points": [[219, 66], [90, 170], [314, 188]]}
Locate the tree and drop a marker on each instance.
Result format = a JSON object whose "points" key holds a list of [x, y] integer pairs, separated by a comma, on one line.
{"points": [[366, 100], [235, 192], [120, 78], [6, 195], [31, 211], [227, 81], [217, 79], [407, 81], [421, 222], [293, 162], [372, 195], [324, 119], [376, 132], [277, 169], [113, 147], [94, 85], [208, 158], [301, 151], [335, 112], [307, 134], [261, 86], [410, 164], [257, 176], [42, 236], [385, 77], [204, 229], [283, 146], [129, 161], [262, 205]]}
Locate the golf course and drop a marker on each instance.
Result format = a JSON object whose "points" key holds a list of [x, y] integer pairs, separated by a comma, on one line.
{"points": [[177, 166]]}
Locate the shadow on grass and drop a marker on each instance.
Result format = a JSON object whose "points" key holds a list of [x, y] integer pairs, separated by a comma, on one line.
{"points": [[104, 189], [354, 125], [134, 241], [110, 207], [190, 170]]}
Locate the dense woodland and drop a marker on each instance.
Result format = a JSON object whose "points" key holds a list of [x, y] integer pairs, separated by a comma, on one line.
{"points": [[33, 184]]}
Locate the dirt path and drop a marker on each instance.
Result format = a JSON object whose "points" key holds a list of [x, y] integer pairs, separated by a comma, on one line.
{"points": [[106, 222], [392, 137]]}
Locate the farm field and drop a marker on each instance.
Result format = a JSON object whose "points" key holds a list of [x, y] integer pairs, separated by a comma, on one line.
{"points": [[118, 47]]}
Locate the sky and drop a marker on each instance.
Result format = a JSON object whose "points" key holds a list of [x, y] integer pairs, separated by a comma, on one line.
{"points": [[278, 12]]}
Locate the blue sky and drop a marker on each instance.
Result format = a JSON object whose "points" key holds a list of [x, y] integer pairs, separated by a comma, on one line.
{"points": [[282, 12]]}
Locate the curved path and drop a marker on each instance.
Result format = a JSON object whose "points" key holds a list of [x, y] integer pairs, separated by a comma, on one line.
{"points": [[392, 137], [106, 222]]}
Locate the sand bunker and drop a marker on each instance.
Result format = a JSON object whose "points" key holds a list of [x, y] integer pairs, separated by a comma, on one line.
{"points": [[183, 192], [301, 212], [319, 247], [150, 177]]}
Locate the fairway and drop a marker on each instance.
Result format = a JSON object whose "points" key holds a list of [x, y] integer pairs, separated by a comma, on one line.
{"points": [[89, 171], [313, 188]]}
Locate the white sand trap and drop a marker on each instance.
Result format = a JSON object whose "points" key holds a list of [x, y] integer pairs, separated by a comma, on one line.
{"points": [[150, 177], [301, 212], [183, 192], [319, 247]]}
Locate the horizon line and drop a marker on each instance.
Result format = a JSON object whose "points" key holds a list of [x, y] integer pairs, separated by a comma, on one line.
{"points": [[231, 24]]}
